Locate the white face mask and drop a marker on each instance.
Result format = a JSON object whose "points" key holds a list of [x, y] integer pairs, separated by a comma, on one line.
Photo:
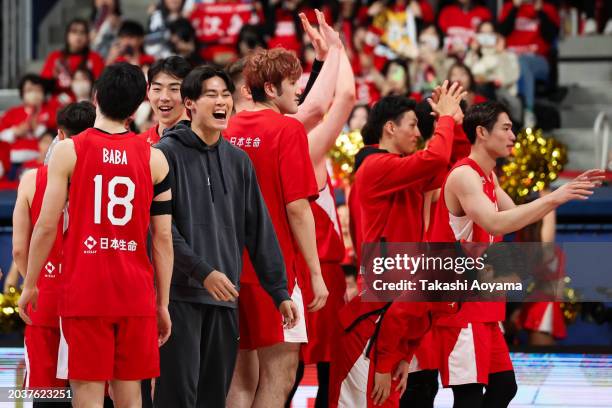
{"points": [[432, 42], [486, 39], [81, 89], [33, 98]]}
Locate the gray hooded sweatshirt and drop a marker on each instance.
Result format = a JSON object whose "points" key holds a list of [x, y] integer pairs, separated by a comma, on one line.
{"points": [[217, 211]]}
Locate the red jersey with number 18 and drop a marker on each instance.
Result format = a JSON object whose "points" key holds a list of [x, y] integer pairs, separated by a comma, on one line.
{"points": [[107, 270]]}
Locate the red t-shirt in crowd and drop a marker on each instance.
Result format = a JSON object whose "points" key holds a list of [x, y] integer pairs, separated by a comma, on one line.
{"points": [[25, 148], [61, 66], [460, 25], [526, 36], [46, 312], [278, 148], [105, 246]]}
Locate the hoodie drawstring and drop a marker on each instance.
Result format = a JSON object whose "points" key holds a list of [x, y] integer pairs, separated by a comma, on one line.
{"points": [[210, 186], [221, 169]]}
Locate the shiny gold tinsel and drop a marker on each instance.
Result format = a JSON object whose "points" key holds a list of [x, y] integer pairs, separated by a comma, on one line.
{"points": [[9, 313], [536, 161], [343, 154], [571, 306]]}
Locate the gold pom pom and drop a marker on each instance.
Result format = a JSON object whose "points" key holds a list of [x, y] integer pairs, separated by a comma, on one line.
{"points": [[9, 311], [536, 161], [343, 154]]}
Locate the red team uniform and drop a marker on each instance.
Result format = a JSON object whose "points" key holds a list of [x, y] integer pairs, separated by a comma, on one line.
{"points": [[42, 337], [108, 309], [471, 342], [323, 326], [278, 148], [389, 188], [151, 135]]}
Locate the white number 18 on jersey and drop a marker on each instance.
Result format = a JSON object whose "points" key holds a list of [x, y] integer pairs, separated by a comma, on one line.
{"points": [[125, 201]]}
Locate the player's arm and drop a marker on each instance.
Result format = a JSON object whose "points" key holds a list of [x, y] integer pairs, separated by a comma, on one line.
{"points": [[322, 137], [61, 166], [464, 183], [22, 223], [504, 202], [320, 96], [302, 226], [161, 234]]}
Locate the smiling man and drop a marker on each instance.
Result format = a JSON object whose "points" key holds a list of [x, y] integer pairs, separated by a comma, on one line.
{"points": [[164, 92], [217, 211], [278, 147]]}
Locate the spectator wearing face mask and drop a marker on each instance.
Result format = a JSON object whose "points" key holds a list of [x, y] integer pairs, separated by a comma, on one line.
{"points": [[494, 67], [61, 65], [459, 22], [530, 28], [22, 125], [431, 66], [82, 85]]}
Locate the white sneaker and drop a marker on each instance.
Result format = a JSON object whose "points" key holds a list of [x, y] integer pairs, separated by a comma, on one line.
{"points": [[608, 29], [590, 27], [529, 119]]}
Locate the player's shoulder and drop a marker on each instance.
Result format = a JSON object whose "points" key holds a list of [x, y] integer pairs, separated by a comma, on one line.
{"points": [[464, 178], [28, 178], [290, 121]]}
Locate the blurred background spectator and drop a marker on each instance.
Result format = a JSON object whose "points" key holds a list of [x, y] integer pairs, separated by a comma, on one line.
{"points": [[61, 65], [105, 20], [161, 15], [22, 126], [530, 28]]}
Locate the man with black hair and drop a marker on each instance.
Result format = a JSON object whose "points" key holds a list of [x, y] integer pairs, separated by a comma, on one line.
{"points": [[114, 304], [164, 92], [42, 337], [474, 208], [218, 212], [129, 45], [22, 125], [390, 182]]}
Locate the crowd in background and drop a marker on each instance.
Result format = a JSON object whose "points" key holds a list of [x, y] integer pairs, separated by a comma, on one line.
{"points": [[405, 47]]}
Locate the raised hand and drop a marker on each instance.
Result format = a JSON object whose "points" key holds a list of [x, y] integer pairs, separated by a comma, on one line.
{"points": [[331, 36], [318, 42], [448, 99]]}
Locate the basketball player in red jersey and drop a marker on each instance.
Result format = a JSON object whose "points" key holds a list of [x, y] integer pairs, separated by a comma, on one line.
{"points": [[278, 147], [474, 208], [390, 184], [323, 326], [42, 337], [114, 182], [164, 93]]}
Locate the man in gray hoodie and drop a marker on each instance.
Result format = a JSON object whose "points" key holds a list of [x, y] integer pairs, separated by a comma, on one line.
{"points": [[217, 212]]}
